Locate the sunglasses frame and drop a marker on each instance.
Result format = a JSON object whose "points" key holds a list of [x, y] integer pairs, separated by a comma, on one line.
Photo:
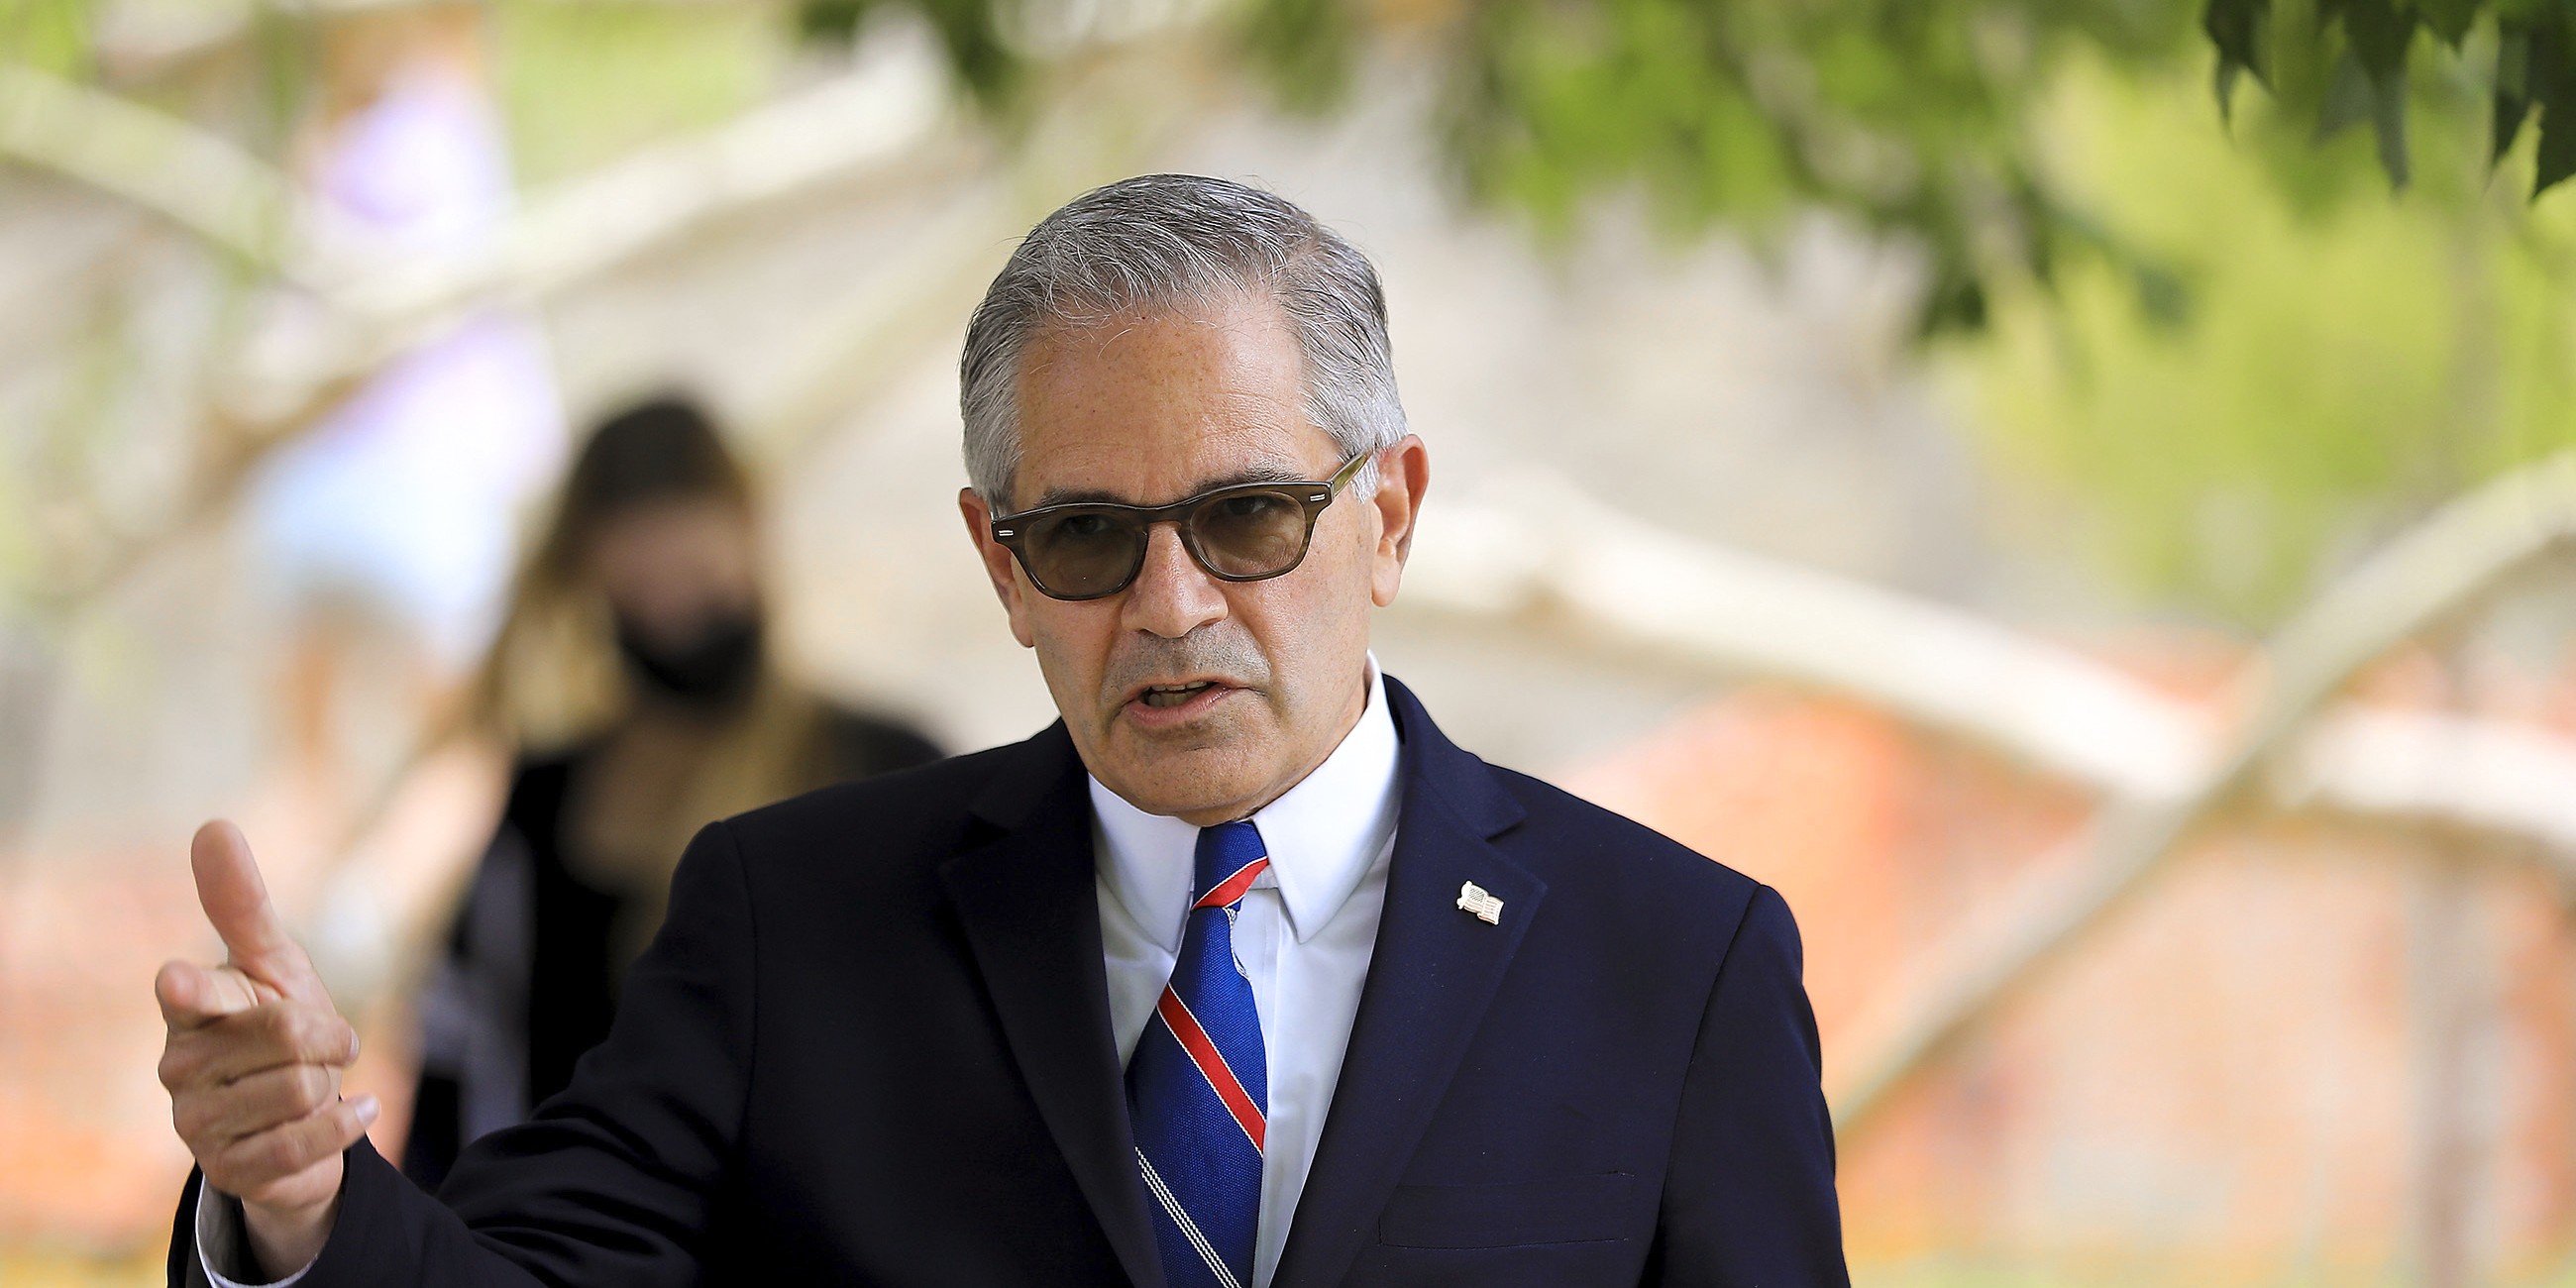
{"points": [[1010, 531]]}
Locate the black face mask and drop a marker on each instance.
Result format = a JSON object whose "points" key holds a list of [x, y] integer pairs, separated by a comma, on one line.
{"points": [[712, 668]]}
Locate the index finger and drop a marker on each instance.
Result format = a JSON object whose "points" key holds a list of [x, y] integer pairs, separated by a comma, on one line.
{"points": [[192, 996]]}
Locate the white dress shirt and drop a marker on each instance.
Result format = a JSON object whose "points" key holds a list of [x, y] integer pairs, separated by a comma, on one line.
{"points": [[220, 1235], [1304, 935]]}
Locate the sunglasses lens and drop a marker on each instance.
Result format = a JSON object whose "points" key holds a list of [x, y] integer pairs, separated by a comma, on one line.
{"points": [[1082, 553], [1250, 534]]}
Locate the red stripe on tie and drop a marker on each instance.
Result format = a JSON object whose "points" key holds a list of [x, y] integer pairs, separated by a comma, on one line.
{"points": [[1212, 1066], [1233, 887]]}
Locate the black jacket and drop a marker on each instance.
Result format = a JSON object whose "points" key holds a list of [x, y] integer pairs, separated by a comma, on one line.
{"points": [[872, 1046]]}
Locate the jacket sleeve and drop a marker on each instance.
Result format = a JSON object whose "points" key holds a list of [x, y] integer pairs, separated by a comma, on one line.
{"points": [[617, 1179], [1749, 1197]]}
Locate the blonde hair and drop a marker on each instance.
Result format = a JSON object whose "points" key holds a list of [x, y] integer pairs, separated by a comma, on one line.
{"points": [[551, 677]]}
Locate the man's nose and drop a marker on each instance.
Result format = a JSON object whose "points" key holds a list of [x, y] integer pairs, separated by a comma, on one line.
{"points": [[1171, 595]]}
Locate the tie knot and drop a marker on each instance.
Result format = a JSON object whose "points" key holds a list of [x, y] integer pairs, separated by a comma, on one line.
{"points": [[1230, 856]]}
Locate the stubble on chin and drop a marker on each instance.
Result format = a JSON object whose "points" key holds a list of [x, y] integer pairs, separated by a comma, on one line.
{"points": [[1205, 766]]}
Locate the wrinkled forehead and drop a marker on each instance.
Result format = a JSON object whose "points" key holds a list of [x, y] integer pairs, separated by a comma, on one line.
{"points": [[1150, 406]]}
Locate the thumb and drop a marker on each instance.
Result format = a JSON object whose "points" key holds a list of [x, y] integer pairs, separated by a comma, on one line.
{"points": [[237, 904]]}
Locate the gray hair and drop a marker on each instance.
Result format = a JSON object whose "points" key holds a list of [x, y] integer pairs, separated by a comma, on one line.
{"points": [[1170, 239]]}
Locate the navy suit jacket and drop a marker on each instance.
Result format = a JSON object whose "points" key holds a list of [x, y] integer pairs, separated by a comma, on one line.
{"points": [[871, 1046]]}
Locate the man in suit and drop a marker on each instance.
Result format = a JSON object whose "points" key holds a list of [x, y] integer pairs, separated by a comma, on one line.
{"points": [[1241, 973]]}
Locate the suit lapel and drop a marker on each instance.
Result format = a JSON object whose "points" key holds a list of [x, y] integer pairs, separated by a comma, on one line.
{"points": [[1032, 917], [1431, 975]]}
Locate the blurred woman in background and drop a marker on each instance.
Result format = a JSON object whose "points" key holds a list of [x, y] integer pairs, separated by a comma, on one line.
{"points": [[631, 672]]}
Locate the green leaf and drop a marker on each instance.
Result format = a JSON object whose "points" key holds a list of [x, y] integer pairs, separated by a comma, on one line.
{"points": [[2551, 78], [2513, 59], [2388, 127], [2512, 86], [2164, 298], [2449, 19], [830, 20], [2379, 33], [2350, 98], [2235, 26], [1956, 303]]}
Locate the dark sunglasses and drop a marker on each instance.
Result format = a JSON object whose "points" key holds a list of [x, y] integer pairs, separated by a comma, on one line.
{"points": [[1248, 532]]}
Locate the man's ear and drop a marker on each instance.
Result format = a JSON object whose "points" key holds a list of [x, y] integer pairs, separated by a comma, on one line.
{"points": [[1404, 475], [999, 565]]}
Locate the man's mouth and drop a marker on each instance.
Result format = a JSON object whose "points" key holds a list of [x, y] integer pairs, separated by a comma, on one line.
{"points": [[1173, 695]]}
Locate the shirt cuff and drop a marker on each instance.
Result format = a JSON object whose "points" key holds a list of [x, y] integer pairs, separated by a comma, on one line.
{"points": [[220, 1235]]}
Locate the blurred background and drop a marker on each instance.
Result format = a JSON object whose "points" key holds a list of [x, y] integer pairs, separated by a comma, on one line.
{"points": [[2070, 491]]}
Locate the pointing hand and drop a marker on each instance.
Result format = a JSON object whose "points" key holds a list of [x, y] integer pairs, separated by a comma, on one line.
{"points": [[253, 1062]]}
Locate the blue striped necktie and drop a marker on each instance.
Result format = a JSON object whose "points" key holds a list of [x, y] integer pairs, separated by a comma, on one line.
{"points": [[1198, 1086]]}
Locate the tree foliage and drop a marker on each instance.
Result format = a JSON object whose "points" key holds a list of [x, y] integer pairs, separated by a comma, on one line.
{"points": [[2346, 61], [1915, 117], [2352, 360], [1911, 115], [2213, 308]]}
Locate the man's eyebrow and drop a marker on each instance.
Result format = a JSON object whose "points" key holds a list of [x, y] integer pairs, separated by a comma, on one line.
{"points": [[1266, 472]]}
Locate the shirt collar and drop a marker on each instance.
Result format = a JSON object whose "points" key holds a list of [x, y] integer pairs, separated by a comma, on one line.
{"points": [[1322, 835]]}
